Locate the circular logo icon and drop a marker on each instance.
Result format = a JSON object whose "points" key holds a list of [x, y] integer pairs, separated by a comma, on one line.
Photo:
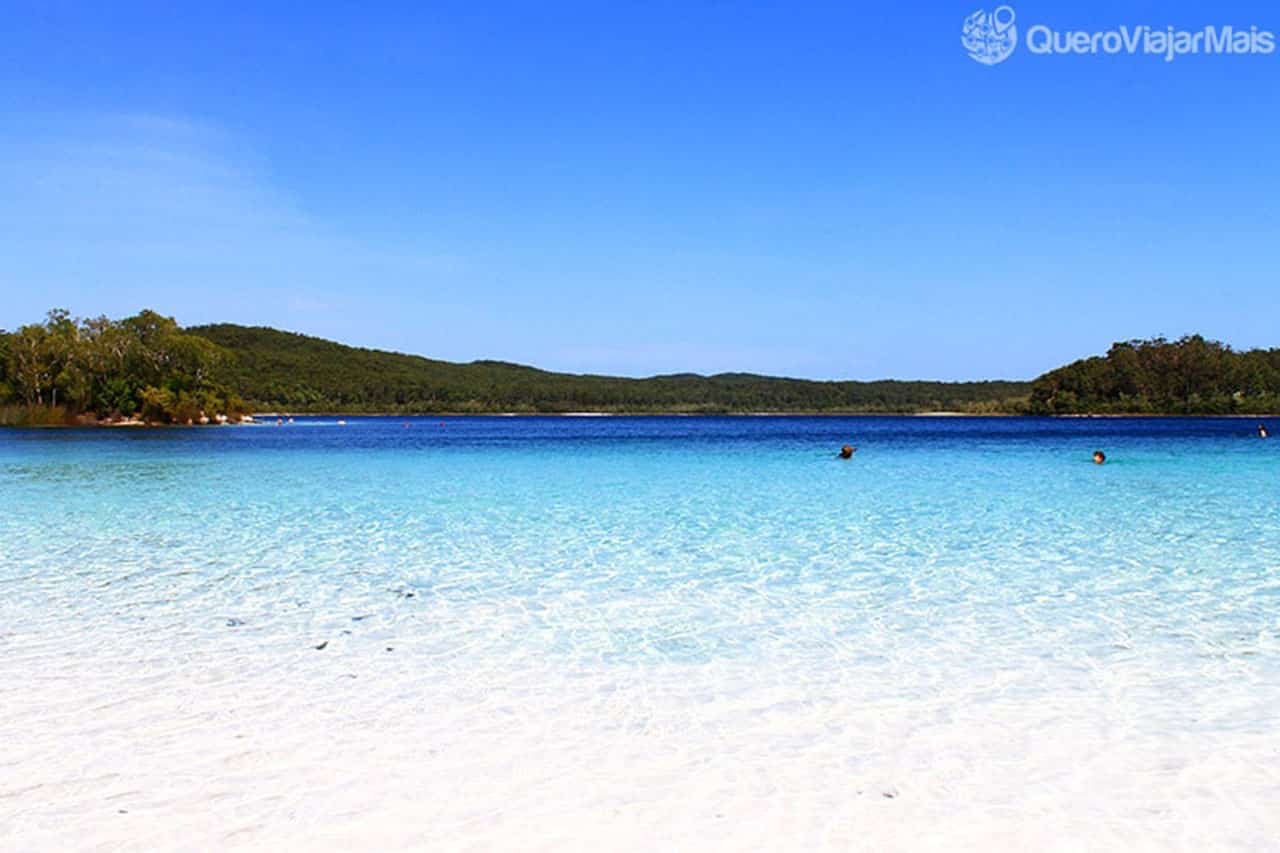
{"points": [[990, 37]]}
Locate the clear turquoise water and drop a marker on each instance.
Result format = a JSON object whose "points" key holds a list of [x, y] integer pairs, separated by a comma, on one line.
{"points": [[965, 564], [935, 524]]}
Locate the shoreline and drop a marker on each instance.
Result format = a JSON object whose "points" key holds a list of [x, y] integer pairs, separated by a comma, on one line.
{"points": [[735, 414], [264, 418], [268, 418]]}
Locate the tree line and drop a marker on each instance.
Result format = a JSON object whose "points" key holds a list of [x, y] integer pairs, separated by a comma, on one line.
{"points": [[1189, 376], [143, 366], [281, 371], [147, 367]]}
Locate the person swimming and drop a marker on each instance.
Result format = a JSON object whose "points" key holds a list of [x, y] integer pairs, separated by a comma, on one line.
{"points": [[1262, 430], [847, 452], [1099, 457]]}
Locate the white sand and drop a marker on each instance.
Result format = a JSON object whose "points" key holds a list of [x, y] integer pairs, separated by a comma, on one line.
{"points": [[112, 742]]}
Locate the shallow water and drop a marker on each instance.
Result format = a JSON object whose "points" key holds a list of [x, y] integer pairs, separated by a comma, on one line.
{"points": [[562, 632]]}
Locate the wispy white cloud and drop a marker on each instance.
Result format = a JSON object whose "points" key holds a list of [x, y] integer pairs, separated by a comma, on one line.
{"points": [[119, 212]]}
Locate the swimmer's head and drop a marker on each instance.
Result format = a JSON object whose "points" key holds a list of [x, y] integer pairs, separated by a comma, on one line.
{"points": [[846, 452], [1099, 457]]}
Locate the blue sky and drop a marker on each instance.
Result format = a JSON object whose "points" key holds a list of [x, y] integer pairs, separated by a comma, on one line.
{"points": [[642, 187]]}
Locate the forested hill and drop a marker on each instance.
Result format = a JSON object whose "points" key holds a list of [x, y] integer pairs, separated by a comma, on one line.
{"points": [[282, 371], [1189, 376], [149, 369]]}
